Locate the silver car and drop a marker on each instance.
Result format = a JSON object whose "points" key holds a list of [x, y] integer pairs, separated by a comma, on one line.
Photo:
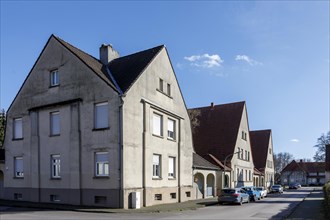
{"points": [[276, 189], [233, 195]]}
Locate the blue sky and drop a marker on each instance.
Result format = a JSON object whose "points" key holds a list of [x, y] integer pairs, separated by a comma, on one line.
{"points": [[272, 54]]}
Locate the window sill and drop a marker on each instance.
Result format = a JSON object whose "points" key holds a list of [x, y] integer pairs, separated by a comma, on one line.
{"points": [[55, 178], [171, 139], [54, 135], [101, 129], [171, 178], [53, 86], [101, 177], [155, 135], [164, 93], [18, 178], [157, 178], [17, 139]]}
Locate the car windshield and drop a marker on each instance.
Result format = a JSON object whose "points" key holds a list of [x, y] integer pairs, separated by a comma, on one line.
{"points": [[228, 191], [276, 186]]}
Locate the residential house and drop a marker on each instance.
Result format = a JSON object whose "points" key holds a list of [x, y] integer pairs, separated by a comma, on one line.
{"points": [[327, 162], [221, 136], [205, 174], [262, 151], [110, 132], [304, 173]]}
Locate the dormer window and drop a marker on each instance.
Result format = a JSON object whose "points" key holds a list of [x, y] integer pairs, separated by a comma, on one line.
{"points": [[54, 78]]}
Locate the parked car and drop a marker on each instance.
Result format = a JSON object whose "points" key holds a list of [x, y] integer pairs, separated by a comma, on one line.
{"points": [[253, 193], [276, 189], [233, 195], [294, 186], [262, 191]]}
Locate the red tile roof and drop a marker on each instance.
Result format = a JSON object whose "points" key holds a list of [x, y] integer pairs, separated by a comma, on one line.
{"points": [[259, 145], [308, 167], [217, 131]]}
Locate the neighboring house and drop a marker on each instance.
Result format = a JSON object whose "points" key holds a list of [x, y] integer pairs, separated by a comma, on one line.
{"points": [[205, 181], [106, 132], [327, 162], [221, 136], [304, 173], [262, 151], [2, 169]]}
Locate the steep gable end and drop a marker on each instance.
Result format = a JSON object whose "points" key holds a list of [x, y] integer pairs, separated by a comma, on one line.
{"points": [[127, 69], [260, 144], [218, 128]]}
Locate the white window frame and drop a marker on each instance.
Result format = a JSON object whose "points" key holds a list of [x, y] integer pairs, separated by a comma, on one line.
{"points": [[171, 133], [54, 78], [53, 116], [56, 166], [156, 165], [18, 128], [18, 167], [157, 124], [101, 122], [171, 167], [102, 166]]}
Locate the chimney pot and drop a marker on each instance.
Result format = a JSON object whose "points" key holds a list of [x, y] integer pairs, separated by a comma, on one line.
{"points": [[107, 53], [212, 104]]}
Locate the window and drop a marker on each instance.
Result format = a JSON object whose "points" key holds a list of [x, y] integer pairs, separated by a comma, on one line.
{"points": [[157, 127], [244, 135], [55, 123], [101, 118], [188, 194], [100, 199], [158, 196], [250, 175], [55, 198], [171, 129], [18, 163], [56, 166], [171, 167], [238, 174], [168, 89], [246, 176], [18, 196], [156, 166], [246, 155], [242, 151], [101, 164], [54, 78], [161, 85], [18, 128], [238, 155], [270, 151], [173, 195]]}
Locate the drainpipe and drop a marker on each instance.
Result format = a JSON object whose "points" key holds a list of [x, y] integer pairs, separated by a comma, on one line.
{"points": [[179, 161], [144, 154], [120, 149]]}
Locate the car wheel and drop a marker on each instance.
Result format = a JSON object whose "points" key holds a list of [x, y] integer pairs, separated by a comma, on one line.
{"points": [[259, 198]]}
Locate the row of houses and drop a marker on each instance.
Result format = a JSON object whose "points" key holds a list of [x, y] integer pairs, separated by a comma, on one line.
{"points": [[116, 132], [307, 173]]}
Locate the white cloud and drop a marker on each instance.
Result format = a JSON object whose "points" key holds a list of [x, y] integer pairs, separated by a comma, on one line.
{"points": [[205, 60], [295, 140], [247, 59]]}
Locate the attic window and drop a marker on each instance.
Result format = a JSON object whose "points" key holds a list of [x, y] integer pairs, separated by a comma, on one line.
{"points": [[161, 85], [54, 78]]}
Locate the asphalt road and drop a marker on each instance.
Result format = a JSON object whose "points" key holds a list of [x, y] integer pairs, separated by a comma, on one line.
{"points": [[272, 207]]}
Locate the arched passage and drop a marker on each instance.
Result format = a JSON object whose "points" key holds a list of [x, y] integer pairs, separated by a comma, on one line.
{"points": [[199, 185], [210, 185], [226, 185]]}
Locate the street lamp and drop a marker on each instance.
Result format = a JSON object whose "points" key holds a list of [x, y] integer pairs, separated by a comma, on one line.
{"points": [[225, 167]]}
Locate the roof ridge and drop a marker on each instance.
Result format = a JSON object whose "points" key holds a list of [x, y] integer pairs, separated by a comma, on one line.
{"points": [[219, 105], [160, 46]]}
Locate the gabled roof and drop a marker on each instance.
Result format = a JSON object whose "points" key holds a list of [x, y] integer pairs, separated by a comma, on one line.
{"points": [[259, 145], [257, 172], [307, 167], [127, 69], [201, 163], [218, 128], [93, 63]]}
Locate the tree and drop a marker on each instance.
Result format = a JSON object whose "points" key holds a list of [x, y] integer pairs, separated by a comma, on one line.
{"points": [[321, 142], [281, 160], [193, 115], [2, 126]]}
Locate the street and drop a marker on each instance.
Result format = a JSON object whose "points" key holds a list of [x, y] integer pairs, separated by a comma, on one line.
{"points": [[275, 206]]}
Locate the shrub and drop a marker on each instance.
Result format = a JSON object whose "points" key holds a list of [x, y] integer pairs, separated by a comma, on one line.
{"points": [[326, 190]]}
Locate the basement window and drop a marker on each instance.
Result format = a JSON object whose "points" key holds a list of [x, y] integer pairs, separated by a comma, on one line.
{"points": [[100, 200], [188, 194], [158, 197], [55, 198], [18, 196], [173, 195]]}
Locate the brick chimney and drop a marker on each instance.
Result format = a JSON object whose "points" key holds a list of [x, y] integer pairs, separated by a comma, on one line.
{"points": [[107, 53], [212, 104]]}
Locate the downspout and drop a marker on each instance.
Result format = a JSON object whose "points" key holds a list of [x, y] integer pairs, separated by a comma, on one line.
{"points": [[80, 156], [120, 149], [38, 137], [144, 154], [179, 161]]}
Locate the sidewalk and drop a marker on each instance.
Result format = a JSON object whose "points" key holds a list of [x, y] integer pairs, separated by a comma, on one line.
{"points": [[310, 208]]}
